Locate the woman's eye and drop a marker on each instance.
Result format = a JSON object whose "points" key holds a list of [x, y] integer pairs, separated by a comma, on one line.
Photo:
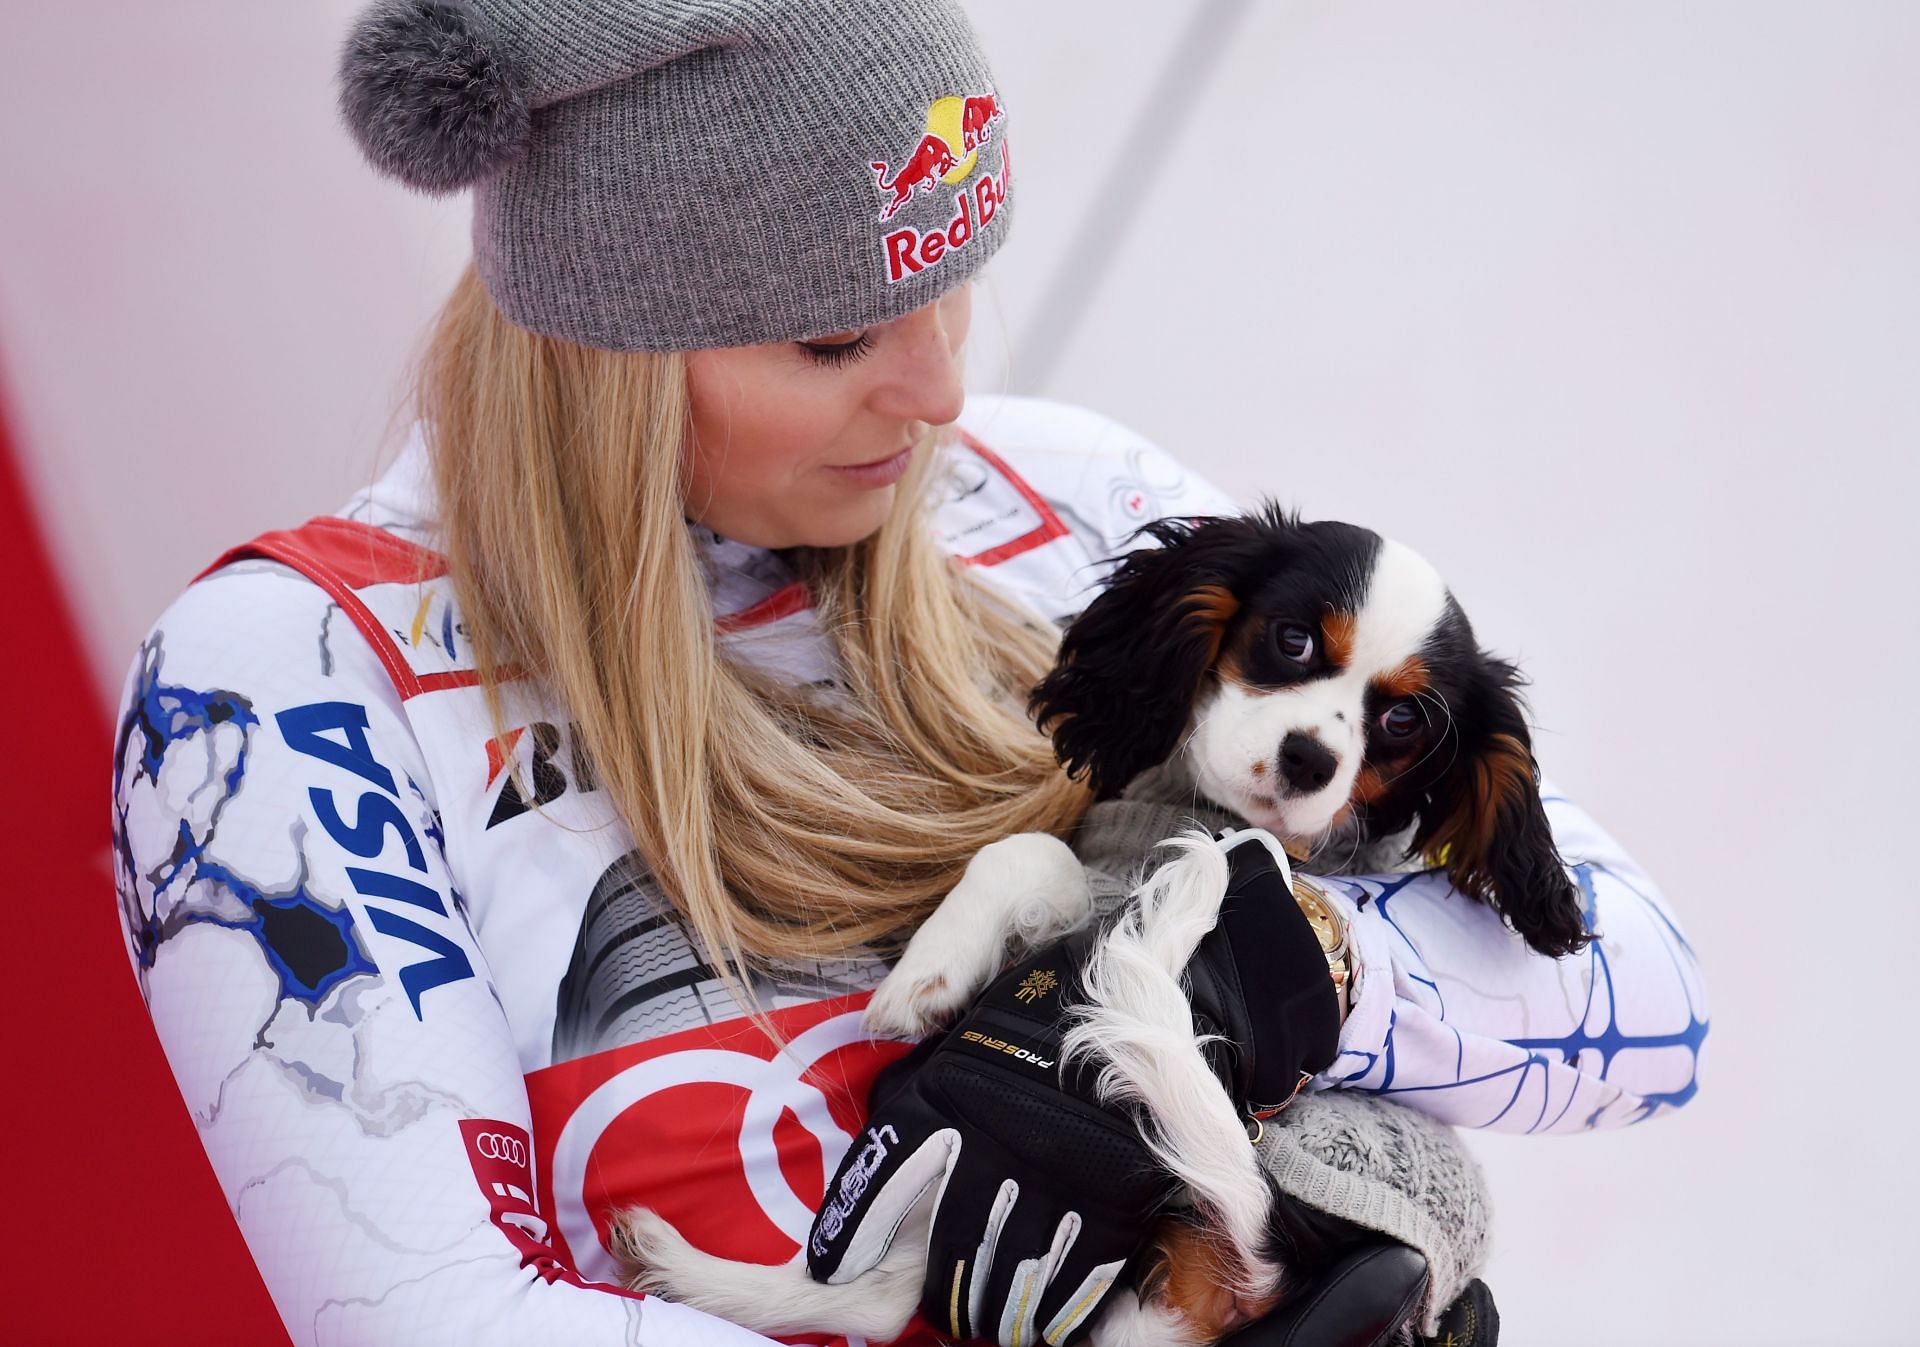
{"points": [[1296, 643], [1400, 719], [839, 352]]}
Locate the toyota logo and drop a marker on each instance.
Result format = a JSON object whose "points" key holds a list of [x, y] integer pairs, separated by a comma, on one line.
{"points": [[500, 1146]]}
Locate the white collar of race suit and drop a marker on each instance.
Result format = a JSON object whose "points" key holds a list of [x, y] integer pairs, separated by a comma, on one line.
{"points": [[739, 575]]}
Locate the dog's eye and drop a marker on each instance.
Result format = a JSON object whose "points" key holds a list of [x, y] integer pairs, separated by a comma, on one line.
{"points": [[1295, 642], [1401, 719]]}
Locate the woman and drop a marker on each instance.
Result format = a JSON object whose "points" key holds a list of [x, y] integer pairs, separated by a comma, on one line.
{"points": [[514, 845]]}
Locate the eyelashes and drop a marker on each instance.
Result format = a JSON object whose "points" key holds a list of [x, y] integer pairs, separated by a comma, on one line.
{"points": [[843, 353]]}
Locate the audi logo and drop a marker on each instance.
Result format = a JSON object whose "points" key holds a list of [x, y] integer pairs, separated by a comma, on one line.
{"points": [[500, 1146]]}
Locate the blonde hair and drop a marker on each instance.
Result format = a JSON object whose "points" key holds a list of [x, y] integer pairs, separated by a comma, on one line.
{"points": [[778, 822]]}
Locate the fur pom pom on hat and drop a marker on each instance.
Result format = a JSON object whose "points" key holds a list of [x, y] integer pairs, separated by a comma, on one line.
{"points": [[679, 174], [429, 96]]}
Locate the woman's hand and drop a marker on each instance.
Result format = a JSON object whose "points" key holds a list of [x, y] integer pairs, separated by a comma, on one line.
{"points": [[1041, 1194], [1260, 979], [1368, 1296]]}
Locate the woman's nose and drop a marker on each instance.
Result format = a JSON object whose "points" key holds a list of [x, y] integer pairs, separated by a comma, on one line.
{"points": [[926, 379]]}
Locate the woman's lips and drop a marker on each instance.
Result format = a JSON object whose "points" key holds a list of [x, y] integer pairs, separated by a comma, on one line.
{"points": [[880, 472]]}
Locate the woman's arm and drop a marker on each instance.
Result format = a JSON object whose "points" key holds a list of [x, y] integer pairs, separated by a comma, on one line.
{"points": [[327, 1013], [1456, 1017]]}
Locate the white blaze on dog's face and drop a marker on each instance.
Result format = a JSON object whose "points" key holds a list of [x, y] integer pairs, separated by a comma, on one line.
{"points": [[1283, 736]]}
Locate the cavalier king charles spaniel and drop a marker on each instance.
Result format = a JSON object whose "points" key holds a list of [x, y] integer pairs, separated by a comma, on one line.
{"points": [[1320, 682]]}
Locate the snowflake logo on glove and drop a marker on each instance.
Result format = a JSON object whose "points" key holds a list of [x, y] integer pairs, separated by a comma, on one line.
{"points": [[1036, 985]]}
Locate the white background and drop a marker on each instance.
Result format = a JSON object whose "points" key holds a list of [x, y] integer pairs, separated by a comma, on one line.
{"points": [[1613, 311]]}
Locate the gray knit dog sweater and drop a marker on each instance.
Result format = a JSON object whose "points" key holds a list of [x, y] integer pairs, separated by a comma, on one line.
{"points": [[679, 174], [1351, 1155]]}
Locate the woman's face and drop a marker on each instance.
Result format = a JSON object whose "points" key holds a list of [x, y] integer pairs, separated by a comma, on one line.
{"points": [[800, 443]]}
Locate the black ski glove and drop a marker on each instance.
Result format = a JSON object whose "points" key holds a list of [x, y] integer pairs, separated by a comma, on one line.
{"points": [[1365, 1298], [1362, 1300], [1260, 980], [1042, 1195]]}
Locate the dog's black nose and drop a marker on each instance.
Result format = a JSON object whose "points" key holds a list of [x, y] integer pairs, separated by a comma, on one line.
{"points": [[1305, 763]]}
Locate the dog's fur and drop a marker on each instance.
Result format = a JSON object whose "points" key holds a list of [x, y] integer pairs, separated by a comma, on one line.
{"points": [[1320, 682]]}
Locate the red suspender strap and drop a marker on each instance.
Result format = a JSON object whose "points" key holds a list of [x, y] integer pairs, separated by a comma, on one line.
{"points": [[343, 555], [783, 602]]}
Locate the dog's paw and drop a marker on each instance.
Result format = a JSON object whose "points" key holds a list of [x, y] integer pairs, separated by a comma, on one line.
{"points": [[913, 1005], [649, 1251]]}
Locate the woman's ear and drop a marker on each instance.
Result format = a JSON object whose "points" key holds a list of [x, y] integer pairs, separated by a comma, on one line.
{"points": [[1484, 823], [1133, 663]]}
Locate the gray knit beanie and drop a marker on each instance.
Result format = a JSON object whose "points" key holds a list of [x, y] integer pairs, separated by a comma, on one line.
{"points": [[671, 175]]}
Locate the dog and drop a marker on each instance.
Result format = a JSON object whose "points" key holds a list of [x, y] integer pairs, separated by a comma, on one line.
{"points": [[1321, 683]]}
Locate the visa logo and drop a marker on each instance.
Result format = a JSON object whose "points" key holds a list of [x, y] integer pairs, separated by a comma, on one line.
{"points": [[395, 900]]}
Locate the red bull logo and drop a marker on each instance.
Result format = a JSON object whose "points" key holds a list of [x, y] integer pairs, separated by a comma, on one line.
{"points": [[957, 130], [976, 116], [922, 171]]}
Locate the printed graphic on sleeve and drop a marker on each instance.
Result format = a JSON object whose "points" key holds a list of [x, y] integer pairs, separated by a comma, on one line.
{"points": [[180, 759], [1529, 1071], [223, 896]]}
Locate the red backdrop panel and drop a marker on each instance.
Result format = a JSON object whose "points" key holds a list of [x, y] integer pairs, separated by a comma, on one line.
{"points": [[118, 1231]]}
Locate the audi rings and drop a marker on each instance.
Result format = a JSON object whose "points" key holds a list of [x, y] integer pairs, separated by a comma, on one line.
{"points": [[500, 1146]]}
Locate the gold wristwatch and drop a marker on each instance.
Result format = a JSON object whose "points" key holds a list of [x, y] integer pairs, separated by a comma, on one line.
{"points": [[1332, 934]]}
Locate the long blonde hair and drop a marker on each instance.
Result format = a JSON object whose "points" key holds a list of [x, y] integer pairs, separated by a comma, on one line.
{"points": [[778, 822]]}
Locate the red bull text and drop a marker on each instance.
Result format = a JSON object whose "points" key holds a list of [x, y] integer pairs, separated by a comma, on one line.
{"points": [[958, 130], [909, 251]]}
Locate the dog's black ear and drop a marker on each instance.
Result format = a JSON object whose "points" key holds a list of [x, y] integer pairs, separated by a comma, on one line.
{"points": [[1484, 823], [1131, 665]]}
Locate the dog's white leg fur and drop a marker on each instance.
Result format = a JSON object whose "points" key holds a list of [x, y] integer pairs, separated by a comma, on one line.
{"points": [[1025, 889], [777, 1298], [1126, 1321], [1138, 1025]]}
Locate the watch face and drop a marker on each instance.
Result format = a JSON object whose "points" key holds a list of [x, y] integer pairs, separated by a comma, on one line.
{"points": [[1319, 914]]}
